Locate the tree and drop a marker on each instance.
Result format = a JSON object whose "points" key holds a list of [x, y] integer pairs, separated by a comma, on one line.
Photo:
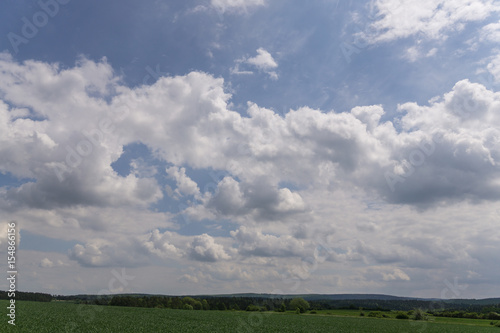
{"points": [[189, 300], [402, 315], [299, 303], [252, 307], [419, 315]]}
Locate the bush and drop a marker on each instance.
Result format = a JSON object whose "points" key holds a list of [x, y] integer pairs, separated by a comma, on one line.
{"points": [[375, 314], [493, 316], [471, 315], [253, 307], [187, 307], [402, 315], [281, 308], [299, 303], [313, 312], [362, 314], [419, 315]]}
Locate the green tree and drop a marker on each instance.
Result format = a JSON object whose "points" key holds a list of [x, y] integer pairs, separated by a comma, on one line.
{"points": [[419, 314], [402, 315], [189, 300], [282, 308], [299, 303], [252, 307]]}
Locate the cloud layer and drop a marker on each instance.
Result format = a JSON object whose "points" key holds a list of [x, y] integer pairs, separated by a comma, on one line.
{"points": [[286, 181]]}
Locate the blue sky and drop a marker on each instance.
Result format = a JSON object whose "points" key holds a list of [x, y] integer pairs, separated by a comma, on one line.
{"points": [[252, 146]]}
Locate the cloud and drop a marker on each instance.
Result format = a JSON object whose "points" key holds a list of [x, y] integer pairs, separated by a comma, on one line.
{"points": [[457, 157], [396, 274], [141, 169], [204, 248], [260, 149], [258, 200], [263, 62], [491, 33], [5, 230], [160, 244], [280, 181], [185, 185], [71, 161], [430, 19], [494, 66], [47, 263], [236, 5], [414, 53], [186, 278], [127, 251], [99, 253], [255, 243]]}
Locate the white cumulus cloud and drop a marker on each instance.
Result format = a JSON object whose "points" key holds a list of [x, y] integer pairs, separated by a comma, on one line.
{"points": [[204, 248]]}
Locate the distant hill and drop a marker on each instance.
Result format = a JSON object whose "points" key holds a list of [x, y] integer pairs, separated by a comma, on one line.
{"points": [[271, 302], [315, 297], [339, 297], [484, 301], [308, 297]]}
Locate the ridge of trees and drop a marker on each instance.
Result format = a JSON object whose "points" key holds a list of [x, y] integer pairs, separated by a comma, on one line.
{"points": [[473, 309], [281, 304], [27, 296]]}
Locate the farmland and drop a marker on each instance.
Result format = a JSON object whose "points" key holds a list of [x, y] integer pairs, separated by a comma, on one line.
{"points": [[69, 317]]}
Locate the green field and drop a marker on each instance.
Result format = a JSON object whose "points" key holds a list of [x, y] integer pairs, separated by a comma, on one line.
{"points": [[68, 317]]}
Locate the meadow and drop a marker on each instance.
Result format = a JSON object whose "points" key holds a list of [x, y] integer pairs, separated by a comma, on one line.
{"points": [[57, 316]]}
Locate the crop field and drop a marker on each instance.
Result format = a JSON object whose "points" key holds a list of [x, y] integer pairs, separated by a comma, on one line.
{"points": [[69, 317]]}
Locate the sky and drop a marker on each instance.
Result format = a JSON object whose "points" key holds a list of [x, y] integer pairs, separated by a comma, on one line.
{"points": [[269, 146]]}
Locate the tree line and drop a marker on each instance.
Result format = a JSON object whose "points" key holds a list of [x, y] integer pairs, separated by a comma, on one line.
{"points": [[281, 304], [451, 308], [27, 296], [209, 303]]}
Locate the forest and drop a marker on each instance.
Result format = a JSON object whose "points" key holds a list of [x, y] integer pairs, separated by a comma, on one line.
{"points": [[454, 308], [473, 309]]}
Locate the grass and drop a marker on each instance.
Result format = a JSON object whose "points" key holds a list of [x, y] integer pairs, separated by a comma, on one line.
{"points": [[68, 317]]}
